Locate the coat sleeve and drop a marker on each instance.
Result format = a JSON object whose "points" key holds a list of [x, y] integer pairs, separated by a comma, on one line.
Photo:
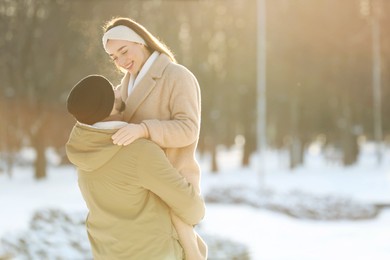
{"points": [[157, 175], [185, 106]]}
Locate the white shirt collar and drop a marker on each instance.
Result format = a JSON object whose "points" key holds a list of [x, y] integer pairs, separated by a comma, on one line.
{"points": [[107, 125], [110, 124], [134, 81]]}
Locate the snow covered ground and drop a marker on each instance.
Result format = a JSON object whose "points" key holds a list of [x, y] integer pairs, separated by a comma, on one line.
{"points": [[269, 235]]}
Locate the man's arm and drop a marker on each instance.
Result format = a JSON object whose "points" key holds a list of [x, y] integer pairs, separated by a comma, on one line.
{"points": [[158, 175]]}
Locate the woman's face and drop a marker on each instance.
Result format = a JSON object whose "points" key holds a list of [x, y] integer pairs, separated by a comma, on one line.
{"points": [[127, 55]]}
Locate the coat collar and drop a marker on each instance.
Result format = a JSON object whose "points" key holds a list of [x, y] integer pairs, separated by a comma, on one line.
{"points": [[144, 87]]}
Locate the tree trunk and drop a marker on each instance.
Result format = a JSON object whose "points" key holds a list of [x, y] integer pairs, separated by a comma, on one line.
{"points": [[295, 148], [9, 163], [350, 149], [349, 139], [214, 162], [40, 160], [376, 81], [246, 156], [296, 153], [249, 147]]}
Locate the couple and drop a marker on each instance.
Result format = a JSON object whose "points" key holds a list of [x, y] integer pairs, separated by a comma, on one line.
{"points": [[134, 148]]}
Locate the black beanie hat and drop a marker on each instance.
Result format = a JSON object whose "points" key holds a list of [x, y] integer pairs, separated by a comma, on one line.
{"points": [[91, 100]]}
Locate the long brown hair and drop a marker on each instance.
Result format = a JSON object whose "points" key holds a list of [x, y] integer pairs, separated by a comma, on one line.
{"points": [[152, 42]]}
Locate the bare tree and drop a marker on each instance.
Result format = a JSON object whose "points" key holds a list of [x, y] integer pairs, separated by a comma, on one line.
{"points": [[36, 67]]}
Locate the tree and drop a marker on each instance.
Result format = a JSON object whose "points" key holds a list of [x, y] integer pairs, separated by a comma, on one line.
{"points": [[38, 67]]}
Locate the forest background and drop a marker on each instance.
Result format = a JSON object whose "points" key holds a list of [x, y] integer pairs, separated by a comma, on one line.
{"points": [[327, 71]]}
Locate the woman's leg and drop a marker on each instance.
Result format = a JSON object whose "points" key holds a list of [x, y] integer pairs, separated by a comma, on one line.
{"points": [[189, 240], [194, 246]]}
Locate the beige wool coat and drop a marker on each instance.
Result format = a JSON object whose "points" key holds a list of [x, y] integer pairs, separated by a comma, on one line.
{"points": [[129, 191], [167, 100]]}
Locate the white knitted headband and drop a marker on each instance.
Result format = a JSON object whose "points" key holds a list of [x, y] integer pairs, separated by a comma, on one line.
{"points": [[122, 32]]}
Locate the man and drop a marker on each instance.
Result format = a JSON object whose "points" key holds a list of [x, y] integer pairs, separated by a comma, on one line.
{"points": [[129, 190]]}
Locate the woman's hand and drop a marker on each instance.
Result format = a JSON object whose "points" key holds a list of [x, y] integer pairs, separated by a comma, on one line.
{"points": [[129, 133]]}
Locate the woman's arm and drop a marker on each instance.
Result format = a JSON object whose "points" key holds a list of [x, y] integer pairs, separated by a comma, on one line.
{"points": [[185, 106], [185, 109]]}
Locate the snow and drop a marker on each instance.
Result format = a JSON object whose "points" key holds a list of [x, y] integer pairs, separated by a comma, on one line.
{"points": [[269, 235], [273, 236]]}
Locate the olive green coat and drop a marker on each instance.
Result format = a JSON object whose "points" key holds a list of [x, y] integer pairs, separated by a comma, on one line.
{"points": [[129, 191]]}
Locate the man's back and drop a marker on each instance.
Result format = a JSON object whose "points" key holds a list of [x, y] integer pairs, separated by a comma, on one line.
{"points": [[129, 192]]}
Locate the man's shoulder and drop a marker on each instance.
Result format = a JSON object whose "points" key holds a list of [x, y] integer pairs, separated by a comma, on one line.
{"points": [[145, 147], [147, 154], [142, 142]]}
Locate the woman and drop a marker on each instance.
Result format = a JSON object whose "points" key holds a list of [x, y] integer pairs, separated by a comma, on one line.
{"points": [[162, 104]]}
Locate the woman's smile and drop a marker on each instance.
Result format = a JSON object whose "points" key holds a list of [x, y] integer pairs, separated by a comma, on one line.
{"points": [[129, 66]]}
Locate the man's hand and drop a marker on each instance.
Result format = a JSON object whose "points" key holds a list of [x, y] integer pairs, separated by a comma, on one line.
{"points": [[129, 133]]}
